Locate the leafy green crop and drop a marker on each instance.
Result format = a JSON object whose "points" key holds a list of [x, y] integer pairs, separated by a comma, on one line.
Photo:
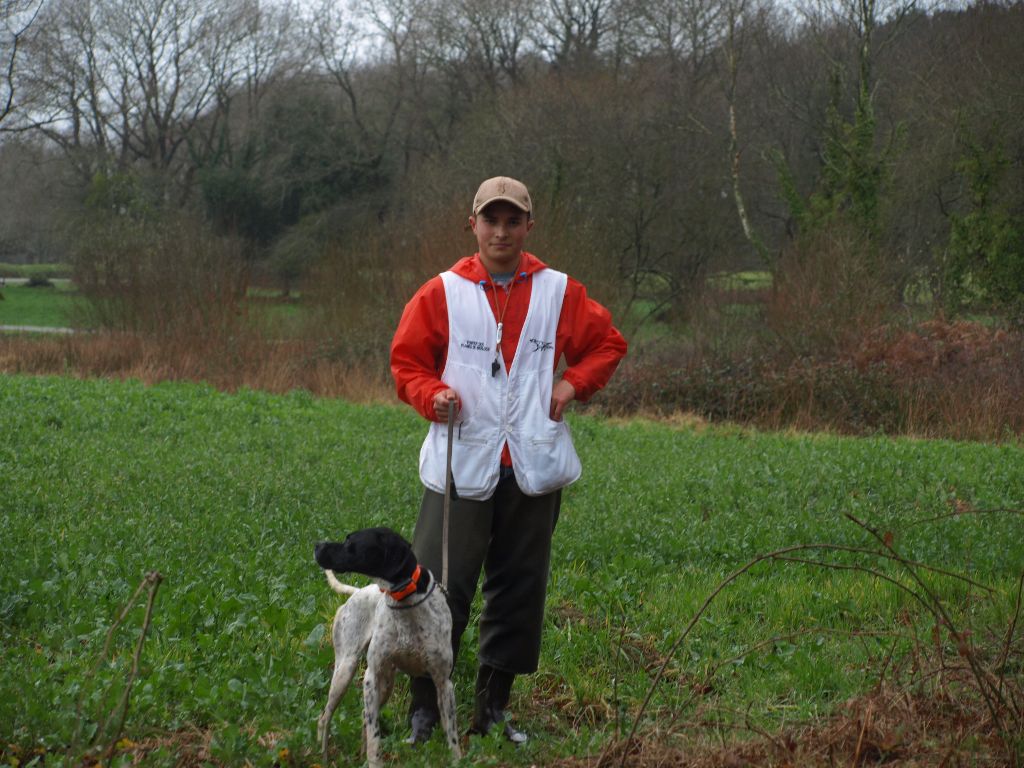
{"points": [[225, 495]]}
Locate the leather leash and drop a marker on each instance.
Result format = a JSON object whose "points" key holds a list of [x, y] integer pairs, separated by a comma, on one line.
{"points": [[447, 496]]}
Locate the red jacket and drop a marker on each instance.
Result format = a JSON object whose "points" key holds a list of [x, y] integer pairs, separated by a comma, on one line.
{"points": [[586, 337]]}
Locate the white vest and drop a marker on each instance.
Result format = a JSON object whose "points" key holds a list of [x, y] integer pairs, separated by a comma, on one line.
{"points": [[511, 406]]}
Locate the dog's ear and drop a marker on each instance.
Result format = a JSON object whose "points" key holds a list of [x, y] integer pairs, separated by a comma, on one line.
{"points": [[385, 539], [395, 553]]}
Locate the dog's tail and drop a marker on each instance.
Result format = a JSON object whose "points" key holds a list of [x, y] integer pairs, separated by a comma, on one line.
{"points": [[337, 586]]}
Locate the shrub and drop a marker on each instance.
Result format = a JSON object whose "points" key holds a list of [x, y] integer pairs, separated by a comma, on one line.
{"points": [[364, 277], [960, 380], [37, 280], [160, 276], [51, 270], [828, 291]]}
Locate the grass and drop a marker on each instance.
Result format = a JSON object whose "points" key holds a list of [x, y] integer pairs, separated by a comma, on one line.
{"points": [[225, 494], [742, 280], [51, 307], [278, 318], [55, 308]]}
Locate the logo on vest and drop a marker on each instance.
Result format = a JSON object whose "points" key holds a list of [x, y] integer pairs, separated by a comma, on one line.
{"points": [[541, 346], [476, 346]]}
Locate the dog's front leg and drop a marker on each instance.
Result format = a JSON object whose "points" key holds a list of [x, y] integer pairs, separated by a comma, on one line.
{"points": [[345, 664], [371, 716]]}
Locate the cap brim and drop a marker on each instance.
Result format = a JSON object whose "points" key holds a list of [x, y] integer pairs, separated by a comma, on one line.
{"points": [[501, 198]]}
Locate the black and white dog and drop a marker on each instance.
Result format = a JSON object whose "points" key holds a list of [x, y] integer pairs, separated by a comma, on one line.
{"points": [[401, 623]]}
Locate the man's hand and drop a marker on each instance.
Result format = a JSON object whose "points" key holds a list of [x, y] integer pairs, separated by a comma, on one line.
{"points": [[442, 401], [562, 394]]}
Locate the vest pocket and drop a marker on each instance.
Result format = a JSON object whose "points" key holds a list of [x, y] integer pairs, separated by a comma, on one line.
{"points": [[548, 434], [473, 463], [552, 462], [464, 434]]}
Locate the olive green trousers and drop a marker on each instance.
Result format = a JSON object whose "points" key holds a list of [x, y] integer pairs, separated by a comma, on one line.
{"points": [[508, 537]]}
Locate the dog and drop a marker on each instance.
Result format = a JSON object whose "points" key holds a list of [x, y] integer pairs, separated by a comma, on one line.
{"points": [[401, 623]]}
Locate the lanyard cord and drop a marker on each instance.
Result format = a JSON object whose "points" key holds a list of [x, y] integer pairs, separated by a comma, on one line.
{"points": [[496, 364]]}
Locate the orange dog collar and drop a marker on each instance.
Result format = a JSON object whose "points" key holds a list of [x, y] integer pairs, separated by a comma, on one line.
{"points": [[404, 590]]}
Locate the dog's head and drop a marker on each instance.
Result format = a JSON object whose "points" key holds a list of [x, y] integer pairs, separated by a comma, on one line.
{"points": [[376, 552]]}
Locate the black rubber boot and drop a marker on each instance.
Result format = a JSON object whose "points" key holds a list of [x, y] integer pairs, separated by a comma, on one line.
{"points": [[423, 712], [493, 689]]}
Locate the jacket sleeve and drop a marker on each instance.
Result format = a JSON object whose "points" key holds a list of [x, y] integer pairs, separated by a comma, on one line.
{"points": [[420, 346], [592, 346]]}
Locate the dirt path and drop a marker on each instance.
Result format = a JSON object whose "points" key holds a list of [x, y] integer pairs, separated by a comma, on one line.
{"points": [[35, 329]]}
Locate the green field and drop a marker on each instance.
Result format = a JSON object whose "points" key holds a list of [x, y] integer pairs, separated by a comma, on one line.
{"points": [[55, 307], [51, 307], [224, 495]]}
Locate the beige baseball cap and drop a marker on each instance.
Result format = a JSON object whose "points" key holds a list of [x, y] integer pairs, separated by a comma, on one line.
{"points": [[502, 188]]}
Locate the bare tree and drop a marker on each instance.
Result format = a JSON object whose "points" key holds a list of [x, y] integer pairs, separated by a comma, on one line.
{"points": [[866, 26], [255, 47], [166, 62], [343, 42], [269, 50], [118, 83], [68, 78], [495, 36], [734, 49], [683, 31], [397, 65], [16, 17], [575, 32]]}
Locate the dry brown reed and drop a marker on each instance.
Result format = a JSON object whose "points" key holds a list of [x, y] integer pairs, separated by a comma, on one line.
{"points": [[892, 725], [962, 382], [250, 362]]}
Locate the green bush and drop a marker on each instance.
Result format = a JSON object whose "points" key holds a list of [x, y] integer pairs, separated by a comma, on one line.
{"points": [[986, 244], [52, 271]]}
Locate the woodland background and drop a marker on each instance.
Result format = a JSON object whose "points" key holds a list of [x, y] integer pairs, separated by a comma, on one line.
{"points": [[803, 214]]}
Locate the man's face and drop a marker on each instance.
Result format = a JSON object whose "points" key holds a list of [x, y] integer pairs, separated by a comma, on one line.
{"points": [[500, 231]]}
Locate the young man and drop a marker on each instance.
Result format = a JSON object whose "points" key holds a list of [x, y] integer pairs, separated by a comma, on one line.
{"points": [[485, 338]]}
